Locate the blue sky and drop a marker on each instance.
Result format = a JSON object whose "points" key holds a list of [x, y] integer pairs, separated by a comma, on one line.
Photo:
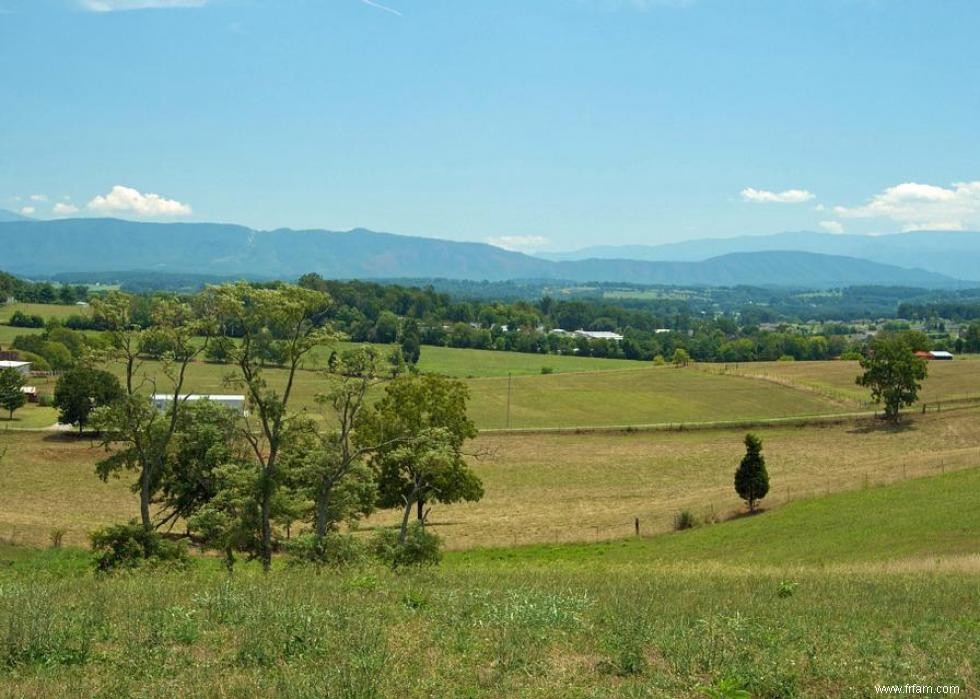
{"points": [[536, 124]]}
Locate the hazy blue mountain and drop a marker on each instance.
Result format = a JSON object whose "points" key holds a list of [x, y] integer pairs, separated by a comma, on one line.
{"points": [[45, 248], [6, 216], [952, 253]]}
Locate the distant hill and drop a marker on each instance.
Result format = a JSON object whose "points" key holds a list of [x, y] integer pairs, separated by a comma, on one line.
{"points": [[46, 248], [952, 253], [6, 216]]}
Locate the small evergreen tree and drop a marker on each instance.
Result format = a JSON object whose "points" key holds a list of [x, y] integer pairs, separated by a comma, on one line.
{"points": [[751, 478]]}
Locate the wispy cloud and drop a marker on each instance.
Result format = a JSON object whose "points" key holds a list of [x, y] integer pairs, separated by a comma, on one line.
{"points": [[119, 5], [126, 200], [524, 243], [918, 206], [378, 5], [762, 196], [834, 227], [27, 210]]}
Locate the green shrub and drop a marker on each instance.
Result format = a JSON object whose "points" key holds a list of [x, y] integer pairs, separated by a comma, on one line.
{"points": [[419, 548], [547, 370], [685, 519], [128, 546], [336, 551]]}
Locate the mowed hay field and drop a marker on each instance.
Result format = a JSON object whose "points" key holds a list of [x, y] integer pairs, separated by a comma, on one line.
{"points": [[644, 396], [947, 380], [653, 395], [546, 487]]}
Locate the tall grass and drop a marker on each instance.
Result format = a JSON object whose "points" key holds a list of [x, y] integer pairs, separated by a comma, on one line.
{"points": [[477, 631]]}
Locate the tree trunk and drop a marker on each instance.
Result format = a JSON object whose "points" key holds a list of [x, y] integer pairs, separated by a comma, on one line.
{"points": [[320, 526], [266, 528], [404, 529], [420, 504], [145, 500]]}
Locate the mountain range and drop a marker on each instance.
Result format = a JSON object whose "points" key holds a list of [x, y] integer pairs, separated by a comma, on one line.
{"points": [[952, 253], [37, 249]]}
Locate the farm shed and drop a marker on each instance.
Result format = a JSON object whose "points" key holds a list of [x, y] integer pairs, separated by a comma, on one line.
{"points": [[940, 354]]}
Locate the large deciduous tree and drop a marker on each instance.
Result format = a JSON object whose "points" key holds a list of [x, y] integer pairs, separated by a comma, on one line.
{"points": [[286, 321], [892, 371], [139, 434], [420, 426], [81, 390]]}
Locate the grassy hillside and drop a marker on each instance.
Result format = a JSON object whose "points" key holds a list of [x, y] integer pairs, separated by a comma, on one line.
{"points": [[916, 521], [596, 621]]}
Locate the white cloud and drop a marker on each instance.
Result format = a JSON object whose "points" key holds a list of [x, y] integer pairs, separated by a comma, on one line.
{"points": [[126, 200], [117, 5], [762, 196], [922, 206], [27, 210], [832, 227], [63, 209], [38, 197], [519, 242]]}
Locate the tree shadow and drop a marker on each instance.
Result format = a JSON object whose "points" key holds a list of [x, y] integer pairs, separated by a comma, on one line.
{"points": [[880, 425]]}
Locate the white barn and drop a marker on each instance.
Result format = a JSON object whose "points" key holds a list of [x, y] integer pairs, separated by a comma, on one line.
{"points": [[23, 367], [232, 402], [599, 335]]}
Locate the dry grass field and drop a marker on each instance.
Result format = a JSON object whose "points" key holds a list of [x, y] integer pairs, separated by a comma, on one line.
{"points": [[546, 487]]}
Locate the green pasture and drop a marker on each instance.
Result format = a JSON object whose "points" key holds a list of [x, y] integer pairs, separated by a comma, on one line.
{"points": [[635, 397], [45, 310]]}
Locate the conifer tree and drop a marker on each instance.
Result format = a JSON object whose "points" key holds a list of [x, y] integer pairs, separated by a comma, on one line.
{"points": [[751, 478]]}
